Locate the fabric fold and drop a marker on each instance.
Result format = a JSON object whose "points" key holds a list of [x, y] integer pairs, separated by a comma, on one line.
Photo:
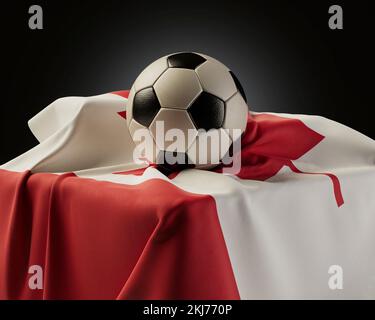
{"points": [[100, 240]]}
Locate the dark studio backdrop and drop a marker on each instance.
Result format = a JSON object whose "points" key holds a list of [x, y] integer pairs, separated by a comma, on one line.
{"points": [[283, 52]]}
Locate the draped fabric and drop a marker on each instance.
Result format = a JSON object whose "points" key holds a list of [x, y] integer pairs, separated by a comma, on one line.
{"points": [[102, 227], [100, 240]]}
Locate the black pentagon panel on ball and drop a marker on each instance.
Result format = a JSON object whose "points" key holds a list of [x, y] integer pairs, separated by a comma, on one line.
{"points": [[186, 60], [239, 86], [145, 106], [207, 112]]}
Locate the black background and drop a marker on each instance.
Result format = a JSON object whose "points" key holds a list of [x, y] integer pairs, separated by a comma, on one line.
{"points": [[283, 52]]}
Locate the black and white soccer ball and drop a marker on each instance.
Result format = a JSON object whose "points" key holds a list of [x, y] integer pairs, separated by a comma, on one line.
{"points": [[191, 92]]}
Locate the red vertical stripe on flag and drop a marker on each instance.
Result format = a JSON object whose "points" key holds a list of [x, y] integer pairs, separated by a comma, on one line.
{"points": [[101, 240]]}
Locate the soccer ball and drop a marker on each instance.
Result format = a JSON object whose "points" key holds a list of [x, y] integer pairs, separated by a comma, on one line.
{"points": [[194, 95]]}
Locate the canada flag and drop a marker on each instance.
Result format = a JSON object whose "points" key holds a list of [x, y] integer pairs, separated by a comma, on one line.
{"points": [[99, 226]]}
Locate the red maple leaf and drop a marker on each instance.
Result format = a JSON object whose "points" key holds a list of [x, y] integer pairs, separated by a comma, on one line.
{"points": [[269, 143]]}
